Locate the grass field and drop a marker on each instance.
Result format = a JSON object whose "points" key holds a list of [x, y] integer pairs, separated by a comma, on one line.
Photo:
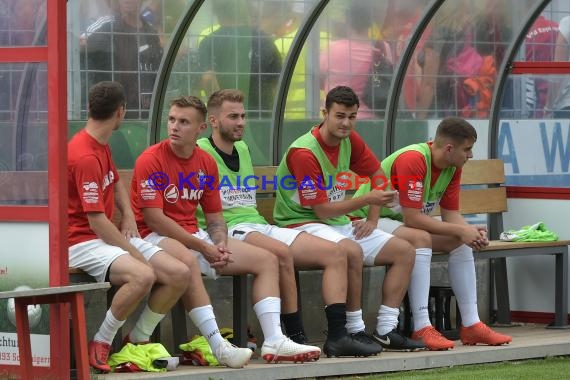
{"points": [[548, 368]]}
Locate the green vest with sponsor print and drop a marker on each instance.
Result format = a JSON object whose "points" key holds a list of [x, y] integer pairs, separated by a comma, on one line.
{"points": [[431, 195], [287, 208], [237, 189]]}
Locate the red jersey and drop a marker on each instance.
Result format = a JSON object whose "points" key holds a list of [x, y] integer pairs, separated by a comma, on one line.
{"points": [[302, 164], [176, 185], [412, 164], [91, 175]]}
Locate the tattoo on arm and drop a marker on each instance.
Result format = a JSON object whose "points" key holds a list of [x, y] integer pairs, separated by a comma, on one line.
{"points": [[218, 231]]}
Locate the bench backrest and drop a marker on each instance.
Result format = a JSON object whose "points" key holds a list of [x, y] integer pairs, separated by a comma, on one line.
{"points": [[482, 188]]}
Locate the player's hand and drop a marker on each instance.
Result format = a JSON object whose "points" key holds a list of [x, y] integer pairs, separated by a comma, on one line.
{"points": [[483, 240], [217, 255], [362, 228], [471, 236], [381, 197], [129, 228]]}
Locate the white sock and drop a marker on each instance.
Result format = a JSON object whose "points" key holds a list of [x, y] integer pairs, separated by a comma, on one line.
{"points": [[268, 312], [354, 322], [204, 318], [387, 319], [145, 325], [461, 268], [418, 291], [108, 328]]}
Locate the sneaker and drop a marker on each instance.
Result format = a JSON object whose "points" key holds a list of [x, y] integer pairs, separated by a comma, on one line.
{"points": [[98, 355], [232, 356], [394, 341], [432, 339], [299, 338], [285, 349], [483, 334], [357, 345]]}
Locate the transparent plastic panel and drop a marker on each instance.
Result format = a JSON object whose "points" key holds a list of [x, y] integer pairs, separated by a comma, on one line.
{"points": [[22, 23], [233, 44], [454, 69], [357, 44], [538, 118], [121, 40], [23, 127]]}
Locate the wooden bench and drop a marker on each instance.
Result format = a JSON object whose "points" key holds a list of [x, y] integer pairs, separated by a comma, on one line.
{"points": [[482, 192], [72, 294]]}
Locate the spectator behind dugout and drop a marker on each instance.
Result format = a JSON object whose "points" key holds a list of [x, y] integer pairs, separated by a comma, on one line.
{"points": [[458, 62], [559, 93], [539, 46], [347, 61], [280, 19], [239, 55], [126, 48]]}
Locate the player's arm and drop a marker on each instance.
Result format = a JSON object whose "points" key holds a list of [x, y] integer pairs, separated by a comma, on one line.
{"points": [[163, 225], [88, 170], [110, 234], [216, 227], [128, 225], [478, 233], [414, 218], [316, 198], [334, 209], [363, 228]]}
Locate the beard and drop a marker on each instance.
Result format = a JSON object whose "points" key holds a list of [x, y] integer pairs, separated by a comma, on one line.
{"points": [[228, 134]]}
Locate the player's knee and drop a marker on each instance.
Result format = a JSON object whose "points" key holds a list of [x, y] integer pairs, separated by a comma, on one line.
{"points": [[179, 277], [421, 239], [336, 254], [144, 277], [267, 262], [407, 253]]}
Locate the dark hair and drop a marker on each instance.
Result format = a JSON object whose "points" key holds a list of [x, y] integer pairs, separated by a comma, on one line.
{"points": [[359, 17], [104, 99], [341, 95], [217, 98], [190, 101], [456, 129]]}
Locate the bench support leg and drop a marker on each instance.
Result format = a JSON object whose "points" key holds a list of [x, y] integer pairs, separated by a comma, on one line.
{"points": [[179, 328], [240, 310], [79, 335], [75, 299], [502, 290], [561, 291], [23, 332]]}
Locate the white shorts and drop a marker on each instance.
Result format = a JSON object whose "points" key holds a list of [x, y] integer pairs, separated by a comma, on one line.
{"points": [[205, 267], [371, 245], [285, 235], [389, 225], [94, 257]]}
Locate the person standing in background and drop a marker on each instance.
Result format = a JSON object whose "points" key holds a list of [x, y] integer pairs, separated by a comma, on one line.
{"points": [[559, 94], [539, 46], [126, 48]]}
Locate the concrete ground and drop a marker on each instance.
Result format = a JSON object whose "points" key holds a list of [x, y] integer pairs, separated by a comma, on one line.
{"points": [[529, 341]]}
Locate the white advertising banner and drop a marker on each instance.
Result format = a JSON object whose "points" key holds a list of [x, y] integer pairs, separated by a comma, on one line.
{"points": [[24, 263]]}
